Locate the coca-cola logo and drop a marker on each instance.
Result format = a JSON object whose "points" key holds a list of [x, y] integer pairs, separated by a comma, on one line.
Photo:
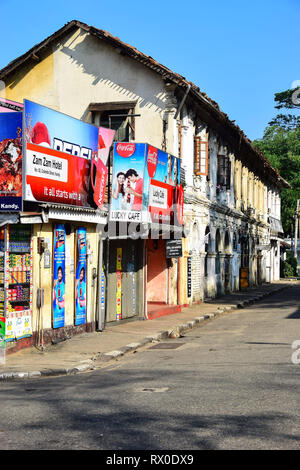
{"points": [[125, 150], [151, 161]]}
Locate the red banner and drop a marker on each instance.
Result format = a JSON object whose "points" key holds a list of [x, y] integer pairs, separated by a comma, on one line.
{"points": [[58, 177]]}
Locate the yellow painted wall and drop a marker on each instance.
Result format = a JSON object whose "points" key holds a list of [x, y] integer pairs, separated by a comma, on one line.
{"points": [[35, 83], [43, 277]]}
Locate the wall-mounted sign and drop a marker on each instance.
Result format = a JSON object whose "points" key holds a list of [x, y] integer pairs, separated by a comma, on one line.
{"points": [[9, 106], [189, 276], [59, 276], [80, 279], [174, 248], [119, 284], [145, 181], [62, 158]]}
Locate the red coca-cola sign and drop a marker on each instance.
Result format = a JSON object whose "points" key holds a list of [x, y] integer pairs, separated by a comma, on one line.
{"points": [[125, 149], [151, 161]]}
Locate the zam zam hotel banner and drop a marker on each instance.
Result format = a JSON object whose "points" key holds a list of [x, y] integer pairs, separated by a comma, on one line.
{"points": [[64, 158], [145, 184]]}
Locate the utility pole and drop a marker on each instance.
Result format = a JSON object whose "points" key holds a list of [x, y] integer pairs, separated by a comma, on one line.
{"points": [[296, 229]]}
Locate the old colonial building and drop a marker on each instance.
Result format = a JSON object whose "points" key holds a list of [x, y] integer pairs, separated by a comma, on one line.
{"points": [[232, 194]]}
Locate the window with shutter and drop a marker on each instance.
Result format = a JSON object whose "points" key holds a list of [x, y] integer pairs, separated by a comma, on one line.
{"points": [[119, 123], [200, 156], [224, 171]]}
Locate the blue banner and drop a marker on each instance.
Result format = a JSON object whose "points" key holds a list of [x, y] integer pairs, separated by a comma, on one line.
{"points": [[80, 281], [59, 280]]}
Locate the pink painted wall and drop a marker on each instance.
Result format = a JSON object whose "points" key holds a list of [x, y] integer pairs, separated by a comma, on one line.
{"points": [[157, 274]]}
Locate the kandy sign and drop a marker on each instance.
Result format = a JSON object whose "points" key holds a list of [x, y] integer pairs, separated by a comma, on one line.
{"points": [[145, 184], [63, 159]]}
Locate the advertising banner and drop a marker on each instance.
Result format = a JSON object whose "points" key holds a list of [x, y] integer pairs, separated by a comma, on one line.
{"points": [[80, 280], [63, 158], [105, 140], [59, 276], [119, 284], [2, 340], [162, 175], [8, 106], [127, 203], [145, 186], [11, 162]]}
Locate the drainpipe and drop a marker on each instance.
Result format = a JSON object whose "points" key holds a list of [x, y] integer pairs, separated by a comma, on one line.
{"points": [[182, 101]]}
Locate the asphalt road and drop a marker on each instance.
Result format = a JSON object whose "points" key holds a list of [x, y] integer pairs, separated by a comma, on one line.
{"points": [[230, 384]]}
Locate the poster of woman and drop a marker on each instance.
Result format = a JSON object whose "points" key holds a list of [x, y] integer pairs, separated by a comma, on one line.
{"points": [[80, 280], [59, 277]]}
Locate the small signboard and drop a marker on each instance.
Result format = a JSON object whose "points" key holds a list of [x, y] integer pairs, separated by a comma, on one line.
{"points": [[174, 248], [189, 276]]}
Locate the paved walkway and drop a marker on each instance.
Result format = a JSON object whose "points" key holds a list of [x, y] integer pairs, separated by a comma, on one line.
{"points": [[88, 351]]}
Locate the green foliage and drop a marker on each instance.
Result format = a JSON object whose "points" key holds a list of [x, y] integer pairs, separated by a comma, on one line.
{"points": [[281, 146], [288, 267], [285, 99]]}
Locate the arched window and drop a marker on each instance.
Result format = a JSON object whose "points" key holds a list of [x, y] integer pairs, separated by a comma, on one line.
{"points": [[227, 242]]}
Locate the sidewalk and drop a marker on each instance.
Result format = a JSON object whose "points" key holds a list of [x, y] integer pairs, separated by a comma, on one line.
{"points": [[89, 351]]}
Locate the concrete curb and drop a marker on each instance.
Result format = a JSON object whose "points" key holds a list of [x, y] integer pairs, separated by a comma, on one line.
{"points": [[103, 358]]}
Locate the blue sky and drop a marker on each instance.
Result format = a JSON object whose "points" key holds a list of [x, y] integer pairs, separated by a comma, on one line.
{"points": [[239, 52]]}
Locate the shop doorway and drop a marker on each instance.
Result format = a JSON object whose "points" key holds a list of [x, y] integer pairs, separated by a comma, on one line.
{"points": [[124, 268], [157, 272], [244, 269]]}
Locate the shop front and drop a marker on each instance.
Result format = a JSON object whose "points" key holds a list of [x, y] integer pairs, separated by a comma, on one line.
{"points": [[125, 276], [16, 286], [145, 212], [52, 215], [67, 275]]}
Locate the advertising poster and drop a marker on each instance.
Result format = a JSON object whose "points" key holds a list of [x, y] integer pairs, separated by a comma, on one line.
{"points": [[11, 161], [8, 106], [162, 175], [105, 140], [62, 163], [119, 284], [146, 185], [2, 340], [80, 279], [128, 182], [59, 276], [2, 327], [9, 328]]}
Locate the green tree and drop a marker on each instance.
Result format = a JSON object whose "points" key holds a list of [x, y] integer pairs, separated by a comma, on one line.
{"points": [[281, 146]]}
